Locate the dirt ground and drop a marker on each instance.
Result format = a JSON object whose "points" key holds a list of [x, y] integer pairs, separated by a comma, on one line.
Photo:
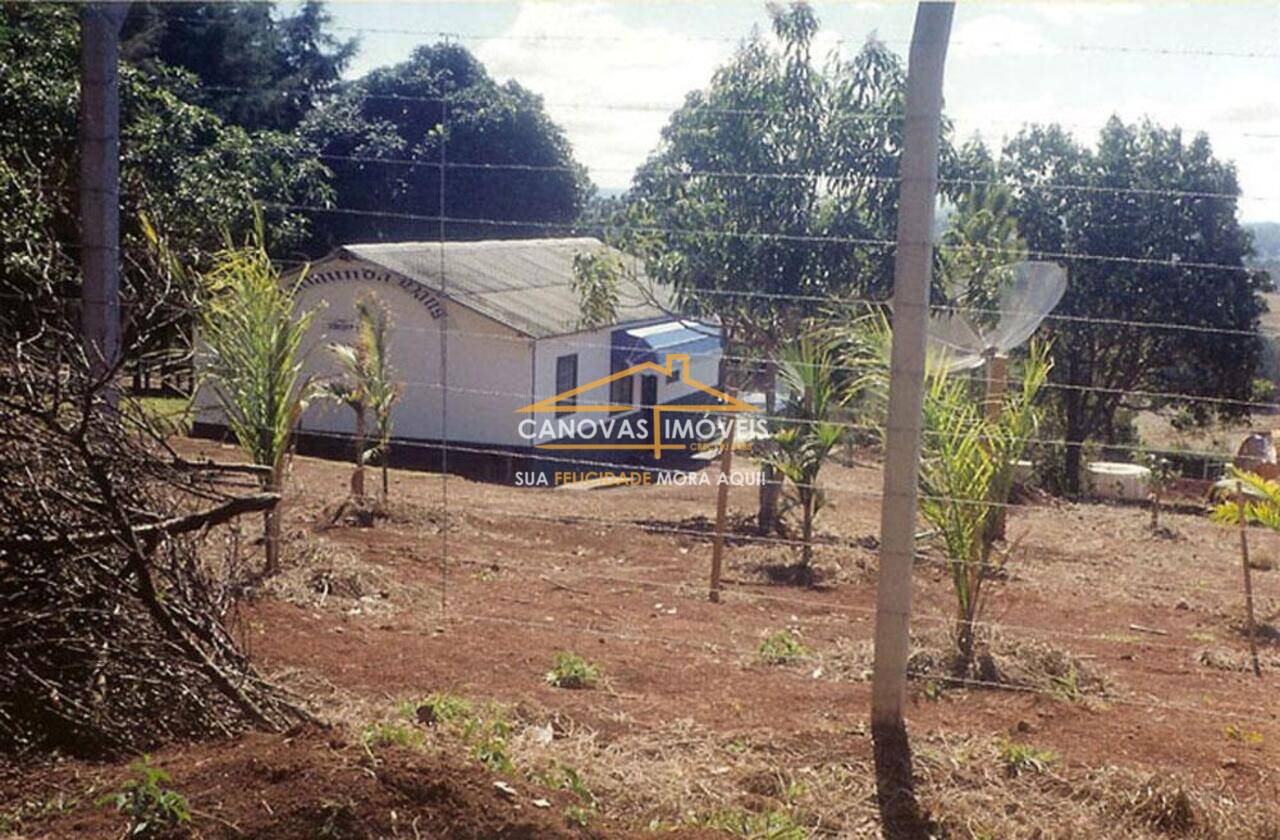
{"points": [[1130, 686]]}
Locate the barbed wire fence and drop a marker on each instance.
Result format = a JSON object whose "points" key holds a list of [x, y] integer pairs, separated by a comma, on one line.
{"points": [[454, 554]]}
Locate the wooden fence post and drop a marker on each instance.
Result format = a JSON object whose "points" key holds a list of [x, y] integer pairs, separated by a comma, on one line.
{"points": [[1248, 582], [722, 508]]}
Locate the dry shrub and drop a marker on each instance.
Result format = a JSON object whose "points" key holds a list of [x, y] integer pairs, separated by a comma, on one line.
{"points": [[324, 575], [832, 564], [1223, 659], [112, 622], [1002, 661]]}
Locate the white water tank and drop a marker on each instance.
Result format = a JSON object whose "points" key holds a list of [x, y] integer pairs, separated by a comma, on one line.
{"points": [[1118, 480]]}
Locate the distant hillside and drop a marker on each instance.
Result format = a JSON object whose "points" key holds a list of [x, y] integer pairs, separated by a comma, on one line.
{"points": [[1266, 239], [1266, 242]]}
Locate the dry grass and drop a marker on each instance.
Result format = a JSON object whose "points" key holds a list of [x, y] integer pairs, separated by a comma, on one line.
{"points": [[321, 575], [767, 786], [1002, 661]]}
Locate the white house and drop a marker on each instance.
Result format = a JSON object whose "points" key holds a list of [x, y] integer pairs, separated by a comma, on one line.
{"points": [[481, 330]]}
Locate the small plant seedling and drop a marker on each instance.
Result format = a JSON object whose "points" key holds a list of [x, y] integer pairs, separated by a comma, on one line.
{"points": [[793, 791], [435, 709], [1067, 686], [1024, 758], [572, 671], [565, 777], [577, 815], [781, 648], [773, 825], [1244, 736], [391, 735], [1162, 474], [152, 808], [487, 736]]}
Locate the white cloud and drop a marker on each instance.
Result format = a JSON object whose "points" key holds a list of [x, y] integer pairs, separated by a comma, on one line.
{"points": [[610, 84], [999, 35], [1064, 14]]}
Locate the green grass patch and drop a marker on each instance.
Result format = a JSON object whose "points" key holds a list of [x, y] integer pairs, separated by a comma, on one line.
{"points": [[1019, 759], [572, 671], [173, 415], [781, 648]]}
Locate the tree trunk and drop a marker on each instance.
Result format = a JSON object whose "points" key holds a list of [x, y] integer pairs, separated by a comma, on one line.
{"points": [[967, 614], [770, 486], [1075, 435], [964, 644], [807, 535], [271, 525], [357, 478]]}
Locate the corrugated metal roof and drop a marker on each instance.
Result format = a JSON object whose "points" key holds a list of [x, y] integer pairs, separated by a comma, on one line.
{"points": [[523, 283]]}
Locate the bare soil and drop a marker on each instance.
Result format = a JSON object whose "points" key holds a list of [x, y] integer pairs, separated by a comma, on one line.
{"points": [[1155, 724]]}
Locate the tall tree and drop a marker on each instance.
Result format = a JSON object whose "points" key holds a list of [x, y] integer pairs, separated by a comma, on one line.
{"points": [[391, 136], [1158, 215], [256, 69], [774, 188], [182, 165]]}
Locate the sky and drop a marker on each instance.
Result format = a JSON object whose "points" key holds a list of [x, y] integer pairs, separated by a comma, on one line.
{"points": [[611, 72]]}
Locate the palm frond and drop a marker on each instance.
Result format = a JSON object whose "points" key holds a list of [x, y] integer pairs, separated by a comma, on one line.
{"points": [[1262, 503]]}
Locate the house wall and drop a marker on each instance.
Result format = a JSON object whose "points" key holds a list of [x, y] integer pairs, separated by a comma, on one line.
{"points": [[593, 348], [489, 364]]}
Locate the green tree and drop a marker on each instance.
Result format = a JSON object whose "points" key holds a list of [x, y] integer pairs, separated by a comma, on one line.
{"points": [[181, 165], [1156, 252], [774, 189], [387, 135], [597, 278], [252, 336], [352, 391], [966, 473], [980, 246], [807, 429], [384, 388], [367, 386], [255, 68]]}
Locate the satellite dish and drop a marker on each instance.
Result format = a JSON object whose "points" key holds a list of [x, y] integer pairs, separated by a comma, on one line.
{"points": [[1033, 290]]}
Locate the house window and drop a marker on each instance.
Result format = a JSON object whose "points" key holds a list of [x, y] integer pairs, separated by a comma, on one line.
{"points": [[648, 391], [566, 379], [622, 389]]}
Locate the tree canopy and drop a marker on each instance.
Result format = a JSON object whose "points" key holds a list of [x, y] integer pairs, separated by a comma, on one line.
{"points": [[188, 170], [255, 69], [779, 179], [1147, 226], [224, 106], [392, 135], [774, 190]]}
